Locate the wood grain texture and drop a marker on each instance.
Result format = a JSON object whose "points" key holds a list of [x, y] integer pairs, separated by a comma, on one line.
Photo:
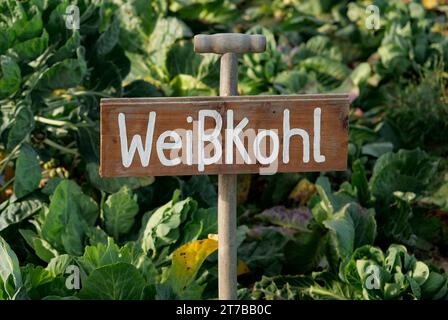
{"points": [[229, 43], [342, 97], [263, 112], [227, 190]]}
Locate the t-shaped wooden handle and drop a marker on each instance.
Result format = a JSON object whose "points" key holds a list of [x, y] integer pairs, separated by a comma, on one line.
{"points": [[229, 43]]}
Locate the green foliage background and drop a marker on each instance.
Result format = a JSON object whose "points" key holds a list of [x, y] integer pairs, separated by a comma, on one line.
{"points": [[302, 236]]}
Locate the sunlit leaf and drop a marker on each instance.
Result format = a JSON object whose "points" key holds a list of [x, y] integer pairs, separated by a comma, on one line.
{"points": [[186, 262]]}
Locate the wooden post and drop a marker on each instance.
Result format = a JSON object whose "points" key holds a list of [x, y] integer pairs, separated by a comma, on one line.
{"points": [[229, 45], [227, 185]]}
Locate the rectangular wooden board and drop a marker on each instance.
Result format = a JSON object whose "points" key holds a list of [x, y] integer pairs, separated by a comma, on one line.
{"points": [[318, 143]]}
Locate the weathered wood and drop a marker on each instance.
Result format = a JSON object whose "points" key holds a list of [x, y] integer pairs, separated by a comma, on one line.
{"points": [[227, 226], [262, 114], [227, 190], [135, 101], [229, 43]]}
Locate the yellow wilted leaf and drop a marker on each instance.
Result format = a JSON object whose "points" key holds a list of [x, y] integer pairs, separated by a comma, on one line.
{"points": [[430, 4], [302, 192], [242, 268], [213, 236], [58, 92], [187, 260]]}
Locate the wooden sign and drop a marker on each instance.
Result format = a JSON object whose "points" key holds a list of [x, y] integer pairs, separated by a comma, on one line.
{"points": [[222, 135]]}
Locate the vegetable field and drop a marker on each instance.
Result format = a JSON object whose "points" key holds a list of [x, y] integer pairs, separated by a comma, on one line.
{"points": [[376, 231]]}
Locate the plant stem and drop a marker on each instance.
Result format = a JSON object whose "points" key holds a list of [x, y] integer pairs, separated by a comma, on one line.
{"points": [[53, 122], [93, 93], [6, 185], [59, 147], [9, 157]]}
